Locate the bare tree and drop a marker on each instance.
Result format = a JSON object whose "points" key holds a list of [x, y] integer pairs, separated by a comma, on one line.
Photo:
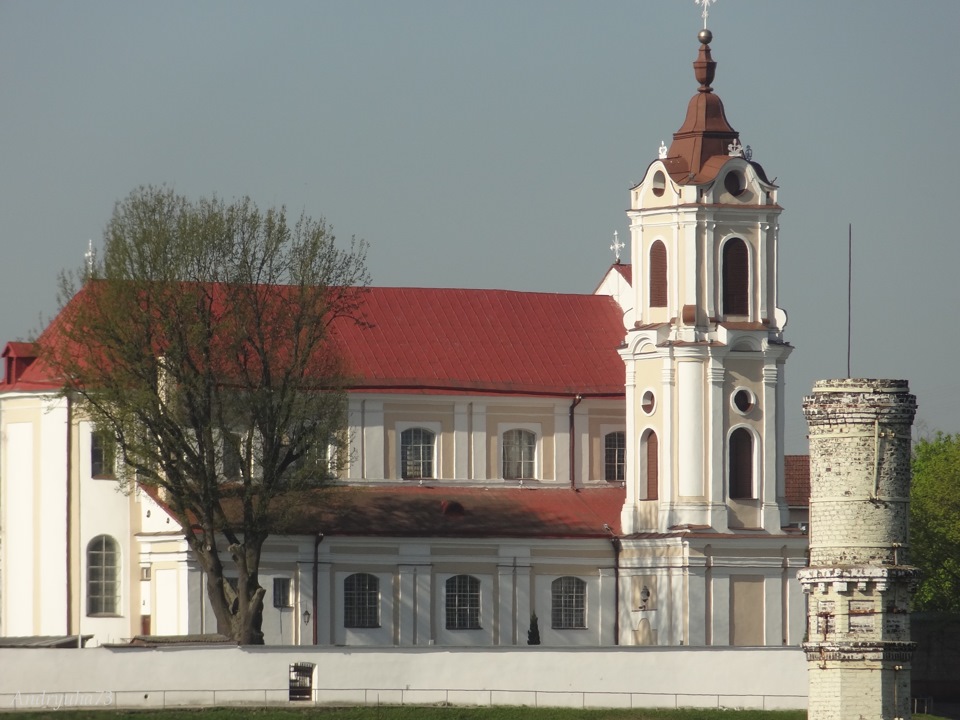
{"points": [[202, 342]]}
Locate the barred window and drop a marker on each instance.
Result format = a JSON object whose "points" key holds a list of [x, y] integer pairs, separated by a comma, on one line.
{"points": [[569, 606], [361, 601], [519, 455], [463, 603], [416, 453], [614, 452], [103, 576]]}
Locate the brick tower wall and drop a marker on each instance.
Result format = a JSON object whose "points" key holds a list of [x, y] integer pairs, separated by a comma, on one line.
{"points": [[859, 582]]}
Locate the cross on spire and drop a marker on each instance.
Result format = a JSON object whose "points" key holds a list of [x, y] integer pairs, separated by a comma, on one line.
{"points": [[706, 10], [617, 246], [90, 256]]}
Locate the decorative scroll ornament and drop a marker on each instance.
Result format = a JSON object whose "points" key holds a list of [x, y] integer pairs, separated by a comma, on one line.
{"points": [[617, 246], [662, 151], [735, 149], [705, 4]]}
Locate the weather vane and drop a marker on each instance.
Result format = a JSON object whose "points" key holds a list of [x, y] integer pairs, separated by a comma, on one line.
{"points": [[617, 246], [706, 9]]}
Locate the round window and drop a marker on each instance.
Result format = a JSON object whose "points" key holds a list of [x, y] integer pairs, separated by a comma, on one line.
{"points": [[648, 402], [743, 401]]}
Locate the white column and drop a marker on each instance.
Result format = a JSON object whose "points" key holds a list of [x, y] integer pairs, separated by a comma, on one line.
{"points": [[325, 604], [561, 443], [373, 436], [354, 470], [720, 617], [690, 427], [408, 604], [772, 449], [709, 246], [628, 515], [478, 443], [507, 626], [697, 603], [461, 441], [715, 450], [774, 630], [607, 625], [669, 490], [763, 230]]}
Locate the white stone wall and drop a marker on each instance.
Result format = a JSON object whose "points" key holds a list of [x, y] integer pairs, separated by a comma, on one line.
{"points": [[757, 678]]}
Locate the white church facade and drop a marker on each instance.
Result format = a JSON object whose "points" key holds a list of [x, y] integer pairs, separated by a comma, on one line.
{"points": [[611, 463]]}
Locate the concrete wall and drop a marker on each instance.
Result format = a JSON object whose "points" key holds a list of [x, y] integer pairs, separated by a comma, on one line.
{"points": [[760, 678]]}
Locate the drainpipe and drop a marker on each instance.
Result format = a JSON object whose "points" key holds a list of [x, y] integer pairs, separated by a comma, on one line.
{"points": [[573, 456], [316, 563], [69, 471]]}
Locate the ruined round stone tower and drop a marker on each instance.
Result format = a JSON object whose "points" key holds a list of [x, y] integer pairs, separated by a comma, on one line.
{"points": [[859, 580]]}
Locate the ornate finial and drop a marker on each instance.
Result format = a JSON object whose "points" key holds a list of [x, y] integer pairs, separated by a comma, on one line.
{"points": [[90, 256], [706, 10], [735, 149], [617, 246], [662, 151]]}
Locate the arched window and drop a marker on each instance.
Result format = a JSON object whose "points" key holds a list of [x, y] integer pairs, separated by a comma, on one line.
{"points": [[650, 449], [569, 603], [463, 603], [361, 601], [614, 451], [103, 576], [519, 455], [740, 464], [736, 278], [416, 453], [658, 275]]}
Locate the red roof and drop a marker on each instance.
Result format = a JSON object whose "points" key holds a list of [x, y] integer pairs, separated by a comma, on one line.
{"points": [[796, 475], [413, 511], [445, 340], [495, 341]]}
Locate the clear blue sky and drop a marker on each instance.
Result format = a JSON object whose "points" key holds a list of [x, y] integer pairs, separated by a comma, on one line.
{"points": [[492, 144]]}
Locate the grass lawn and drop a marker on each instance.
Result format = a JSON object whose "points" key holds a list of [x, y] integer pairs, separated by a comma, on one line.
{"points": [[417, 713]]}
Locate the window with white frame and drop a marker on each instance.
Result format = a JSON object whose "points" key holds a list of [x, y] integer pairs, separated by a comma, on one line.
{"points": [[103, 576], [463, 603], [568, 603], [614, 456], [519, 454], [232, 457], [361, 601], [103, 454], [416, 453], [281, 593]]}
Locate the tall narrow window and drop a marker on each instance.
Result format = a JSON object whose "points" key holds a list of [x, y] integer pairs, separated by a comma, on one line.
{"points": [[103, 454], [740, 464], [569, 603], [519, 455], [232, 455], [614, 450], [736, 278], [463, 603], [416, 453], [103, 576], [650, 447], [361, 601], [281, 593], [658, 275]]}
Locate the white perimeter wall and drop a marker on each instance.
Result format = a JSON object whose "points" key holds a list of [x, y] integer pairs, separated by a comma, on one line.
{"points": [[763, 678]]}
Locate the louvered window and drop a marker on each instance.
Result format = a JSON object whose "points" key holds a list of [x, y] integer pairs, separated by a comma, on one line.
{"points": [[740, 464], [652, 469], [658, 275], [736, 278]]}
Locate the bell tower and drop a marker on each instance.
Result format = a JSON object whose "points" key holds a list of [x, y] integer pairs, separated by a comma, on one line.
{"points": [[705, 358]]}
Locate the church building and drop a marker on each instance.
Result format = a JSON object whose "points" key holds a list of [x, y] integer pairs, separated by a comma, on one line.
{"points": [[610, 464]]}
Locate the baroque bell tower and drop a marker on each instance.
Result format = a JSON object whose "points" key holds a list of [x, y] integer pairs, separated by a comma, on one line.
{"points": [[705, 358]]}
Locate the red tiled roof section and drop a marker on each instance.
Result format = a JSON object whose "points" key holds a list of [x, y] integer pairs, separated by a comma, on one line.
{"points": [[496, 341], [626, 271], [413, 511], [796, 471]]}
